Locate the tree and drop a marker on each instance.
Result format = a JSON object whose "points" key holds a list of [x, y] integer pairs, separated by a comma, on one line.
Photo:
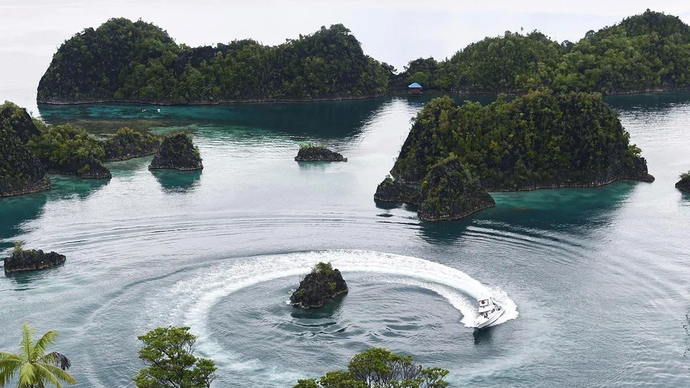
{"points": [[379, 368], [34, 367], [167, 352]]}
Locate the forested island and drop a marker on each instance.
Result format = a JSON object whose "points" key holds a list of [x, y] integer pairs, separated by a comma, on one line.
{"points": [[643, 53], [29, 149], [125, 61], [539, 140]]}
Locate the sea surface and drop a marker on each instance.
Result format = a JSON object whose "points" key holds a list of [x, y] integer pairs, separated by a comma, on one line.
{"points": [[595, 280]]}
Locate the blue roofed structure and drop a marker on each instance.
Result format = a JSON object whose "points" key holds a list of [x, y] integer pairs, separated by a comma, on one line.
{"points": [[415, 86]]}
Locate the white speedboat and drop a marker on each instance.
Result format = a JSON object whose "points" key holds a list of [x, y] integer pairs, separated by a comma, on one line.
{"points": [[488, 313]]}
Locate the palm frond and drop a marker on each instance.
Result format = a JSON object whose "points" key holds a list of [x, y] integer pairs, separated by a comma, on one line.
{"points": [[27, 375], [27, 342], [55, 373], [9, 364], [39, 348], [57, 359]]}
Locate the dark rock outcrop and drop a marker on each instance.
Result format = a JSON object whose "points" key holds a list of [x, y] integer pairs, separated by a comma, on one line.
{"points": [[21, 172], [449, 192], [321, 284], [129, 144], [12, 116], [313, 153], [30, 260], [397, 191], [177, 152], [684, 183]]}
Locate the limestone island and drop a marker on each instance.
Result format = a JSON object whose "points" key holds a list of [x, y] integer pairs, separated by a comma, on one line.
{"points": [[539, 140], [129, 144], [177, 152], [684, 182], [138, 62], [316, 288], [21, 172], [31, 260], [317, 153]]}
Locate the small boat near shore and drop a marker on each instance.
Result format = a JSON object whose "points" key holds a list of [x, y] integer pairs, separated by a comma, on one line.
{"points": [[487, 313]]}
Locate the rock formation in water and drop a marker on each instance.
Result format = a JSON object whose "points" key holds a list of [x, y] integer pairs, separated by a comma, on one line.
{"points": [[64, 149], [30, 260], [21, 172], [396, 191], [318, 153], [177, 152], [449, 192], [129, 144], [539, 140], [321, 284], [129, 61], [684, 182]]}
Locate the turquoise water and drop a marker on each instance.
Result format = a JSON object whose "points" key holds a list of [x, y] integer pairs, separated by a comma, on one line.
{"points": [[598, 276]]}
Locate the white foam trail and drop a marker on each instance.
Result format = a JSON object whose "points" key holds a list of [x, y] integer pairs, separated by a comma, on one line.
{"points": [[202, 293]]}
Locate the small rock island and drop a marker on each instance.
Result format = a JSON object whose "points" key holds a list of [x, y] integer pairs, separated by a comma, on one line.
{"points": [[397, 191], [177, 152], [684, 183], [318, 153], [129, 144], [316, 288], [31, 260]]}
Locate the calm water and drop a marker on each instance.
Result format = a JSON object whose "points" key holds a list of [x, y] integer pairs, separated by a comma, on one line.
{"points": [[598, 276]]}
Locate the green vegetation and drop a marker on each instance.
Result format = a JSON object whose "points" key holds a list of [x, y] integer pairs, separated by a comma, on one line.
{"points": [[137, 61], [177, 152], [20, 171], [650, 51], [538, 140], [69, 150], [378, 367], [685, 177], [322, 268], [684, 183], [167, 352], [18, 247], [450, 192], [128, 143], [32, 367]]}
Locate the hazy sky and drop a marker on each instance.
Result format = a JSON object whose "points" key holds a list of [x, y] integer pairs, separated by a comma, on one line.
{"points": [[390, 31]]}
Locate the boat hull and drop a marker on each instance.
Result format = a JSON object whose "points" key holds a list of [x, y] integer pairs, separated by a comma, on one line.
{"points": [[482, 323]]}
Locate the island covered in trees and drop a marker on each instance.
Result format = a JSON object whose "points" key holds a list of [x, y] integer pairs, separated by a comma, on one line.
{"points": [[125, 61], [139, 62], [30, 149], [540, 140]]}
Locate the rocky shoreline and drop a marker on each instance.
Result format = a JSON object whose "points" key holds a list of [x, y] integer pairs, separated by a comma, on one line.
{"points": [[177, 152], [37, 187], [202, 103]]}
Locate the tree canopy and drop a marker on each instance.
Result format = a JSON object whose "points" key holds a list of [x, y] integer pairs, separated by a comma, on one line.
{"points": [[137, 61], [649, 51], [541, 139], [379, 368], [167, 352]]}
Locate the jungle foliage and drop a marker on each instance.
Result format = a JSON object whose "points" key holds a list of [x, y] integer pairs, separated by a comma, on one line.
{"points": [[541, 139], [649, 51], [137, 61], [378, 368]]}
